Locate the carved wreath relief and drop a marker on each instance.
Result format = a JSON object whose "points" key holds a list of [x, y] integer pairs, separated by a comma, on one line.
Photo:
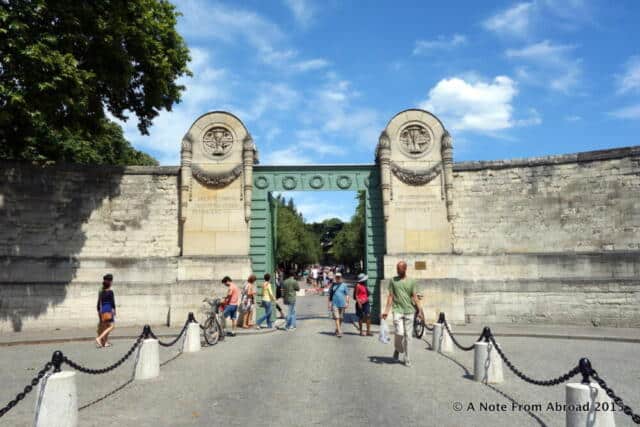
{"points": [[217, 141], [415, 140]]}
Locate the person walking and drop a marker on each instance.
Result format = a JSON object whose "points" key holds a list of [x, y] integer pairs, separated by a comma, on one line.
{"points": [[363, 309], [402, 297], [231, 301], [279, 293], [338, 302], [267, 300], [106, 307], [290, 287], [248, 302]]}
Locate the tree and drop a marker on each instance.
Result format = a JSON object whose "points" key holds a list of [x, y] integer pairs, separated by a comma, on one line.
{"points": [[64, 64], [297, 243], [349, 244]]}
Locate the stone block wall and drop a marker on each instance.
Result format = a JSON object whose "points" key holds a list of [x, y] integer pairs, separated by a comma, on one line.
{"points": [[545, 240], [77, 211], [62, 228], [575, 203]]}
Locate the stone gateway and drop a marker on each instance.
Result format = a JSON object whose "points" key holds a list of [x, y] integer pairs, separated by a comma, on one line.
{"points": [[550, 240]]}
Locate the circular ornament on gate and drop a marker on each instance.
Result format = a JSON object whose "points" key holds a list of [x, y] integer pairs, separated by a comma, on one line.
{"points": [[261, 182], [289, 183], [217, 142], [316, 182], [344, 182], [415, 140]]}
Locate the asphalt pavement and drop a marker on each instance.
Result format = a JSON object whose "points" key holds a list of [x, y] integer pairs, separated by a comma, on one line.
{"points": [[310, 377]]}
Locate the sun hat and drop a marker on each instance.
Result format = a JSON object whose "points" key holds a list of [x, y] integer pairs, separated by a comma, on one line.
{"points": [[362, 277]]}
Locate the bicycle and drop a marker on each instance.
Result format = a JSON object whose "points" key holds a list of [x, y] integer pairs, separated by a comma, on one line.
{"points": [[418, 324], [213, 329]]}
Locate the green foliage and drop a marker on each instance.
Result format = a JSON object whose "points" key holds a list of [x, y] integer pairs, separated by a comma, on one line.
{"points": [[349, 244], [297, 243], [64, 63]]}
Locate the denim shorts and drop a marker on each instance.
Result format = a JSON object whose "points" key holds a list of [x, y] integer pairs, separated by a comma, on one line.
{"points": [[231, 311]]}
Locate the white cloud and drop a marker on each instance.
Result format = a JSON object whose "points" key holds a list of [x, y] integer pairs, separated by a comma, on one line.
{"points": [[292, 155], [270, 97], [204, 91], [311, 64], [318, 212], [425, 47], [629, 81], [303, 11], [473, 106], [548, 64], [234, 25], [515, 21], [573, 118], [631, 112]]}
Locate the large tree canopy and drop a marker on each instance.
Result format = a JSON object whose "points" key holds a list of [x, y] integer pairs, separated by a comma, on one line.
{"points": [[64, 63]]}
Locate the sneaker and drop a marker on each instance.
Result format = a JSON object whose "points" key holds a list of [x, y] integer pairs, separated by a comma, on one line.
{"points": [[407, 362], [293, 329], [396, 355]]}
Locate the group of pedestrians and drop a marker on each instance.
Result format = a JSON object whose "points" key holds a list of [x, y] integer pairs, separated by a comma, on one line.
{"points": [[402, 301], [285, 290]]}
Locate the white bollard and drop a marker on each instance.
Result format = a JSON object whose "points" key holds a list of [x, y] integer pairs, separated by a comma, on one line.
{"points": [[148, 365], [436, 339], [57, 402], [487, 364], [446, 343], [588, 405], [191, 342]]}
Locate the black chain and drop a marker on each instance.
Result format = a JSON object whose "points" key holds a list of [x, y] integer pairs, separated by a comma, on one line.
{"points": [[618, 401], [170, 343], [86, 370], [555, 381], [28, 388], [460, 346]]}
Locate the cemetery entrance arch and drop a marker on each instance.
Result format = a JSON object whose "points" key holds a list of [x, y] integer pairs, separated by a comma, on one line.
{"points": [[360, 178]]}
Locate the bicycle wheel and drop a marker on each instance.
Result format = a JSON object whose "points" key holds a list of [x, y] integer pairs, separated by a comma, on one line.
{"points": [[211, 331], [418, 326]]}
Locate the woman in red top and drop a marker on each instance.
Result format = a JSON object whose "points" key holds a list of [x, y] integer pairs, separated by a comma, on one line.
{"points": [[363, 309]]}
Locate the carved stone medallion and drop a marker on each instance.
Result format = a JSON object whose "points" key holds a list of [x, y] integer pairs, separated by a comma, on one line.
{"points": [[217, 142], [415, 140]]}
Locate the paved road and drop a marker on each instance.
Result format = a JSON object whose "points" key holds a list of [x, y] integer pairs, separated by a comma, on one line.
{"points": [[309, 377]]}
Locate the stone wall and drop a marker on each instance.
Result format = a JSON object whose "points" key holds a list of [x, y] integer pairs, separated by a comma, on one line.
{"points": [[545, 240], [575, 203], [79, 211], [62, 228]]}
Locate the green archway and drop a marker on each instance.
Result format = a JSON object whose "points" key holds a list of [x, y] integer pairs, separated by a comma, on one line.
{"points": [[366, 178]]}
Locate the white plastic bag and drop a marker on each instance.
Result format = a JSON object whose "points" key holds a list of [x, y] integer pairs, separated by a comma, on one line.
{"points": [[384, 337]]}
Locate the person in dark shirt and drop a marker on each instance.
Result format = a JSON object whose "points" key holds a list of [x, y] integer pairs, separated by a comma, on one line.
{"points": [[106, 307]]}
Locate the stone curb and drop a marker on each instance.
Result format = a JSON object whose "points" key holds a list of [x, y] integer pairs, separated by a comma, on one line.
{"points": [[120, 337], [538, 335]]}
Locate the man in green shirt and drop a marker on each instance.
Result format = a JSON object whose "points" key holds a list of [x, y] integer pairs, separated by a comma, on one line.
{"points": [[290, 287], [402, 297]]}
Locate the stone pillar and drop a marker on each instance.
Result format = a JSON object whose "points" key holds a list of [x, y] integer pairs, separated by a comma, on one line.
{"points": [[216, 182], [248, 155], [186, 155], [447, 163], [383, 156]]}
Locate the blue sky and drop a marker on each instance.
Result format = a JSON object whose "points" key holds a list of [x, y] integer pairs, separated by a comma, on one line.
{"points": [[316, 81]]}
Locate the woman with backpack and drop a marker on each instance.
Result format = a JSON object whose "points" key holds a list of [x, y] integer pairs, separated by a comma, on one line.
{"points": [[363, 308], [106, 312]]}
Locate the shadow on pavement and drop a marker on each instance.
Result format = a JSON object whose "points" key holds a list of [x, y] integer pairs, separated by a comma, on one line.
{"points": [[383, 360], [469, 376]]}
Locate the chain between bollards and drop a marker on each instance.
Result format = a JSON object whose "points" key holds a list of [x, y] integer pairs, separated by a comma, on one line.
{"points": [[442, 319]]}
